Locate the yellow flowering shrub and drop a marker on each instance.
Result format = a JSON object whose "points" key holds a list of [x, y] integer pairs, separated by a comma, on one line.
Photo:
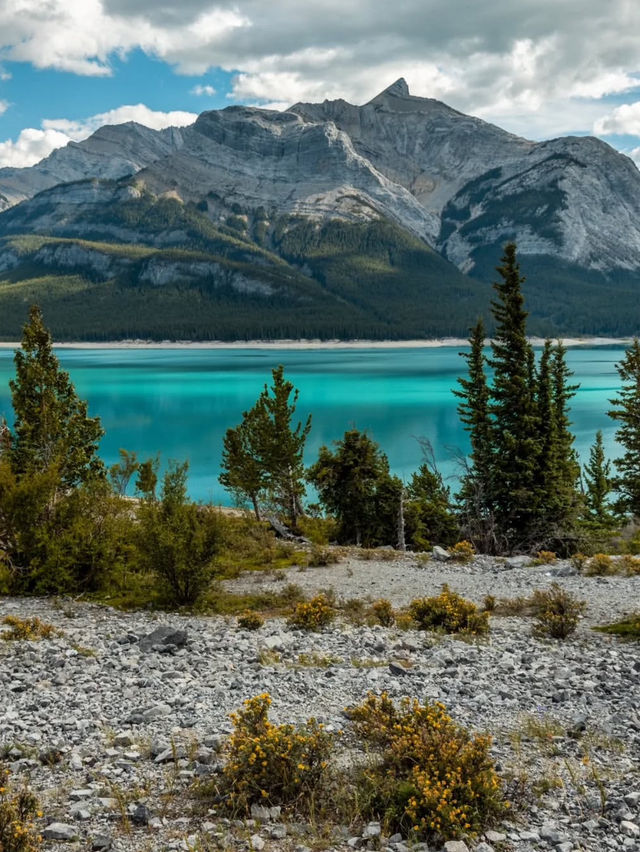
{"points": [[274, 764], [383, 613], [17, 812], [463, 551], [600, 564], [434, 778], [250, 620], [449, 612], [312, 615], [27, 628]]}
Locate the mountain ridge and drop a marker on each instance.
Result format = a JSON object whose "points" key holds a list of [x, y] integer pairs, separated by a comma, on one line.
{"points": [[345, 198]]}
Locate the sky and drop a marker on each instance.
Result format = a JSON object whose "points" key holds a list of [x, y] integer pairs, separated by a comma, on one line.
{"points": [[539, 68]]}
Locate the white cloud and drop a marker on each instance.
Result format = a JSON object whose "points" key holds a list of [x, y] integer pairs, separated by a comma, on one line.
{"points": [[32, 145], [537, 65], [199, 90], [624, 119], [635, 156], [134, 112], [4, 106]]}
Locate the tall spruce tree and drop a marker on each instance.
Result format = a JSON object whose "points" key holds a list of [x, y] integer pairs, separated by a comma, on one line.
{"points": [[627, 413], [476, 494], [51, 427], [262, 456], [597, 476], [522, 461], [516, 440]]}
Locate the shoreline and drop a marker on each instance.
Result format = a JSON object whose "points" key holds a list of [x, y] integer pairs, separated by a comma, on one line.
{"points": [[311, 344]]}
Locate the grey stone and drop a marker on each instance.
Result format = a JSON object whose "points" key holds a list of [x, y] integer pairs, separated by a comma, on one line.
{"points": [[373, 829], [495, 836], [456, 846], [59, 831], [440, 554], [630, 829], [101, 843], [164, 635], [257, 842]]}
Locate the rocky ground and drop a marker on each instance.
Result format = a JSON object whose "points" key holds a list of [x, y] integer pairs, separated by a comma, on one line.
{"points": [[111, 729]]}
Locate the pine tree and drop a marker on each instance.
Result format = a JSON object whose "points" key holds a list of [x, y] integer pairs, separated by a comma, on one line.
{"points": [[282, 446], [475, 497], [243, 470], [597, 476], [51, 426], [347, 481], [516, 441], [627, 413], [263, 456]]}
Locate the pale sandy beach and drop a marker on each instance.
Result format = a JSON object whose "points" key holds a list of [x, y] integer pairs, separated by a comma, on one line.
{"points": [[310, 344]]}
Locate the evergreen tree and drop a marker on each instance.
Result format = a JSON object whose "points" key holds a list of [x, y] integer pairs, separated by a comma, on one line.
{"points": [[263, 455], [348, 481], [282, 446], [243, 469], [147, 480], [597, 476], [429, 516], [475, 497], [513, 409], [51, 426], [520, 490], [627, 413]]}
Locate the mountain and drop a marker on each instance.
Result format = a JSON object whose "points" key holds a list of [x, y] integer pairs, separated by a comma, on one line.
{"points": [[325, 220]]}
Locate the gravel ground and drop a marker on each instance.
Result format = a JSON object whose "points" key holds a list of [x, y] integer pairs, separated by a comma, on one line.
{"points": [[131, 722]]}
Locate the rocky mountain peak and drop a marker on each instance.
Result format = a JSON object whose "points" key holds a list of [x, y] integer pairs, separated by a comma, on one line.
{"points": [[399, 89]]}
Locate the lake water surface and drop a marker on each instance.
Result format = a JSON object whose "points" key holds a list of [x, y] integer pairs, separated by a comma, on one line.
{"points": [[179, 402]]}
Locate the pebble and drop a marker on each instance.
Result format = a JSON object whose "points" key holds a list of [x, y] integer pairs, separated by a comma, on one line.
{"points": [[90, 731]]}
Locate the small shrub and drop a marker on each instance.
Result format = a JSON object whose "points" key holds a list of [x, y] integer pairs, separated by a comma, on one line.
{"points": [[31, 629], [250, 620], [313, 615], [318, 530], [545, 557], [599, 565], [383, 613], [557, 612], [319, 557], [18, 809], [629, 565], [367, 554], [489, 603], [449, 612], [463, 551], [434, 778], [579, 561], [354, 610], [271, 764]]}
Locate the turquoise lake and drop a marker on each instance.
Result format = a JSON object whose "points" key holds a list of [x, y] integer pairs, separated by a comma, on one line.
{"points": [[179, 402]]}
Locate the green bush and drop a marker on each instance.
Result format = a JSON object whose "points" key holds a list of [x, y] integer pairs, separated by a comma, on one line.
{"points": [[449, 612], [177, 540], [557, 612], [312, 615], [383, 613], [433, 778], [250, 620]]}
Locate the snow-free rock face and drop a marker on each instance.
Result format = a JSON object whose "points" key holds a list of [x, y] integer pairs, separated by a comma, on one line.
{"points": [[113, 151], [457, 182]]}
